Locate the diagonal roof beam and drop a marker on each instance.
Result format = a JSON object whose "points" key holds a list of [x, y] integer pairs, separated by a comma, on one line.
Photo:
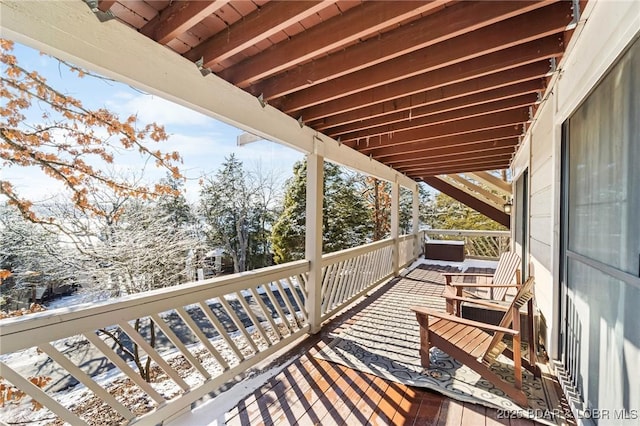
{"points": [[453, 21], [476, 204], [489, 121], [502, 35], [486, 65], [460, 104], [266, 21], [423, 119], [178, 17], [474, 190], [493, 182], [359, 22], [462, 141]]}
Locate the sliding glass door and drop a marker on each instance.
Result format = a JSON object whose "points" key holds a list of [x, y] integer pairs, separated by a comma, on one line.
{"points": [[600, 280]]}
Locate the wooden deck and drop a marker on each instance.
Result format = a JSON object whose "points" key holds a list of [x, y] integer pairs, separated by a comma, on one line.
{"points": [[310, 391]]}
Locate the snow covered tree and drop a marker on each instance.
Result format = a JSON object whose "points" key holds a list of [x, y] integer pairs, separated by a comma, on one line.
{"points": [[232, 203], [43, 128], [30, 254], [345, 217], [447, 213]]}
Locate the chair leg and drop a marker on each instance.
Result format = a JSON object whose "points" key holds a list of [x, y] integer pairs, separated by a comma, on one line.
{"points": [[425, 346]]}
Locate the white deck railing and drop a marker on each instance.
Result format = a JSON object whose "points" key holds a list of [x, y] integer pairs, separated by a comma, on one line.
{"points": [[264, 308], [477, 244], [348, 274], [212, 331], [406, 249]]}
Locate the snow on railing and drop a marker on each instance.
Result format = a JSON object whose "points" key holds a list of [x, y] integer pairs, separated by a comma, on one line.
{"points": [[348, 274], [477, 244], [205, 334], [406, 249]]}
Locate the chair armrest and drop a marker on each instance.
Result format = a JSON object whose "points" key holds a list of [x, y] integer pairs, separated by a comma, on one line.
{"points": [[485, 285], [445, 316], [453, 274], [481, 302]]}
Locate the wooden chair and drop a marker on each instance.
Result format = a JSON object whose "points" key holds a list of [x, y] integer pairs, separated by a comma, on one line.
{"points": [[500, 281], [468, 341]]}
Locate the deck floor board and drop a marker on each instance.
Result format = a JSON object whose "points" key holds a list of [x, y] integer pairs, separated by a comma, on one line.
{"points": [[311, 391]]}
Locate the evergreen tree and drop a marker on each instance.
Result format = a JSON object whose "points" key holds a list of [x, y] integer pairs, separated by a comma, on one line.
{"points": [[345, 216], [174, 204], [236, 215], [447, 213]]}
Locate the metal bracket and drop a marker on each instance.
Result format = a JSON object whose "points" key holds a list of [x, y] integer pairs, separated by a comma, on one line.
{"points": [[200, 64], [102, 16], [261, 100], [339, 141], [575, 6], [300, 122], [553, 65]]}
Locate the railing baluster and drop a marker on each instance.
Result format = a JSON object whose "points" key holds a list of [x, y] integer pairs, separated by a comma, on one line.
{"points": [[344, 267], [221, 330], [178, 344], [330, 297], [326, 287], [84, 378], [287, 302], [191, 324], [299, 301], [124, 367], [278, 308], [254, 319], [153, 354], [267, 314], [39, 395], [236, 320]]}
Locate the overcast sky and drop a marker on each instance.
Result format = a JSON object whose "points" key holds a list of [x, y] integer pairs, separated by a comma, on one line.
{"points": [[203, 142]]}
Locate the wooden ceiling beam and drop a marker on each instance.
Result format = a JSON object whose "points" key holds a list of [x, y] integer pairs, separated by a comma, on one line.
{"points": [[423, 118], [104, 5], [503, 146], [433, 109], [458, 168], [420, 146], [178, 17], [437, 163], [484, 66], [512, 32], [486, 209], [259, 25], [461, 157], [341, 30], [416, 37], [512, 118]]}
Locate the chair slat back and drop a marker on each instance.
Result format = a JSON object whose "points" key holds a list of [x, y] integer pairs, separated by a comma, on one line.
{"points": [[506, 270], [497, 346]]}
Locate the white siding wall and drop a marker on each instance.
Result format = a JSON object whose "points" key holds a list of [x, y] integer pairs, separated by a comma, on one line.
{"points": [[606, 29], [541, 209]]}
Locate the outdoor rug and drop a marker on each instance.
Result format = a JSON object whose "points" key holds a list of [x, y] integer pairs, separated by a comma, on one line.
{"points": [[384, 340]]}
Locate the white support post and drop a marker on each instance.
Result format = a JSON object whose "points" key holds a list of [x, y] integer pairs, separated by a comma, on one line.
{"points": [[395, 225], [313, 237], [415, 217]]}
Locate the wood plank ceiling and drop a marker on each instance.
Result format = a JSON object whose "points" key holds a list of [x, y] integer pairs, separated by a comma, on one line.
{"points": [[429, 88]]}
